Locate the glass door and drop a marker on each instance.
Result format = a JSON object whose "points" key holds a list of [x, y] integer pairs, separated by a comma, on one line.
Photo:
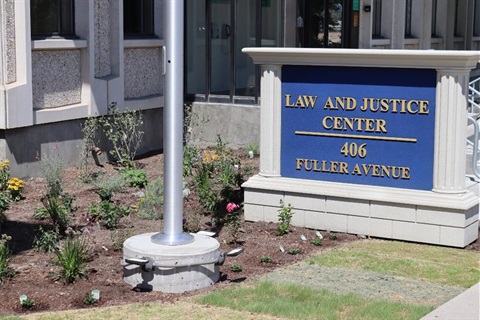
{"points": [[220, 47], [321, 23]]}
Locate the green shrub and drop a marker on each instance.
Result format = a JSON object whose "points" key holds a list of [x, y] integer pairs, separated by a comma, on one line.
{"points": [[72, 257], [28, 303], [135, 177], [89, 299], [107, 213], [190, 156], [106, 185], [317, 242], [53, 173], [284, 217], [46, 240], [150, 205], [5, 253], [4, 174], [122, 129], [266, 259], [294, 251], [55, 209], [236, 268]]}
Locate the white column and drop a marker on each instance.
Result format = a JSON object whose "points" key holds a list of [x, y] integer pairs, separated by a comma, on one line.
{"points": [[270, 120], [450, 134]]}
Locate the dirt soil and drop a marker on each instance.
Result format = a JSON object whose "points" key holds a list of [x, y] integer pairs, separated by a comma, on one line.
{"points": [[34, 270]]}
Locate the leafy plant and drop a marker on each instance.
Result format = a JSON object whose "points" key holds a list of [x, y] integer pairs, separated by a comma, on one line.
{"points": [[236, 268], [4, 174], [284, 217], [150, 205], [53, 173], [89, 131], [190, 156], [106, 185], [135, 177], [72, 257], [332, 236], [119, 236], [122, 129], [46, 240], [266, 259], [27, 303], [4, 203], [317, 242], [5, 253], [294, 251], [232, 220], [89, 299], [15, 187], [108, 213], [55, 209], [252, 147]]}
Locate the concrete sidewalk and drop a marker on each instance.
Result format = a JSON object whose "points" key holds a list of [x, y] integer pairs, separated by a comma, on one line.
{"points": [[465, 306]]}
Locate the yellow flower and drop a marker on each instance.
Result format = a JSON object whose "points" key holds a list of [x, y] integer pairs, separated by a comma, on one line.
{"points": [[15, 188], [7, 161]]}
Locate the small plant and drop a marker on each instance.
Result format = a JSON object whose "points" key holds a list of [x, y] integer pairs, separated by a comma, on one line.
{"points": [[46, 240], [108, 213], [4, 203], [123, 131], [15, 187], [266, 259], [5, 253], [252, 150], [232, 220], [89, 131], [4, 174], [192, 223], [119, 236], [236, 268], [294, 251], [27, 303], [284, 217], [332, 236], [52, 171], [190, 156], [89, 299], [55, 209], [136, 178], [105, 186], [317, 242], [150, 205], [72, 257]]}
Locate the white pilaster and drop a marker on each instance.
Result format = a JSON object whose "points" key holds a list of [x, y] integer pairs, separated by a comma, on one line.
{"points": [[450, 135], [270, 120]]}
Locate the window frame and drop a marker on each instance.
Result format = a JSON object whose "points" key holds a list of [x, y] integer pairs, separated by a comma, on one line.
{"points": [[377, 19], [65, 14], [146, 20]]}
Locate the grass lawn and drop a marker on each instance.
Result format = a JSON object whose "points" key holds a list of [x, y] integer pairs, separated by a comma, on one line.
{"points": [[261, 299]]}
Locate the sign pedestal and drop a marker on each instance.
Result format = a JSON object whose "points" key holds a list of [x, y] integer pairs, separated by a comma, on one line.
{"points": [[358, 193]]}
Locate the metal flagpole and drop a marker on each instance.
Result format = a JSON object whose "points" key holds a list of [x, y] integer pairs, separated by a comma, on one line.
{"points": [[173, 53]]}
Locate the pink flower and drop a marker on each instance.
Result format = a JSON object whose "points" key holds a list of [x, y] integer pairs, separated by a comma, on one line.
{"points": [[232, 206]]}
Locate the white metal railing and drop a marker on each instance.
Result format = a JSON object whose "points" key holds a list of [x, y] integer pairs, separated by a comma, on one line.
{"points": [[473, 134]]}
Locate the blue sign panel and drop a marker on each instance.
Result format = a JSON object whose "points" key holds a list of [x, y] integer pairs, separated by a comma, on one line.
{"points": [[371, 126]]}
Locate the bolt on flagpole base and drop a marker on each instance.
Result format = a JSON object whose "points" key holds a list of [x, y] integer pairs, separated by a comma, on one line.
{"points": [[172, 239]]}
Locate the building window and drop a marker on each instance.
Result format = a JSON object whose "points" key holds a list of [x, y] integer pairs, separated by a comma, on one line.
{"points": [[434, 18], [52, 18], [408, 18], [476, 18], [138, 18], [377, 19]]}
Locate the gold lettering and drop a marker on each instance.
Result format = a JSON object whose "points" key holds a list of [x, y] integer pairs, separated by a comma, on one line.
{"points": [[329, 104], [288, 104], [423, 109], [310, 101]]}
